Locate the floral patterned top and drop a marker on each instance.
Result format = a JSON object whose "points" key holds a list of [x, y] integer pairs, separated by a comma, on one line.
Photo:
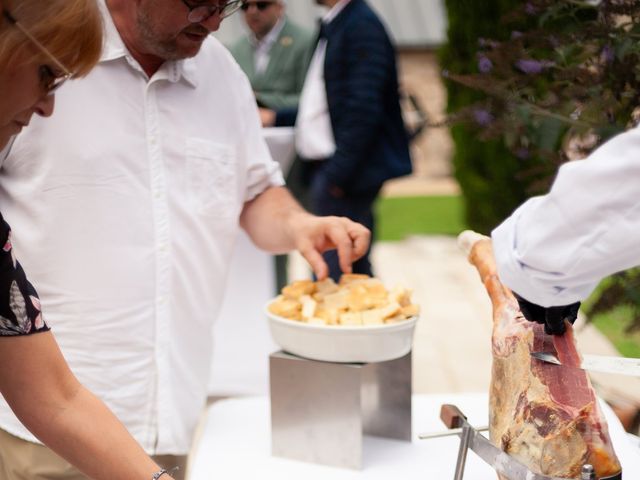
{"points": [[19, 303]]}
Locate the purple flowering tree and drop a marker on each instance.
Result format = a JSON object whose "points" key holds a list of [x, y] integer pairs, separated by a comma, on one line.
{"points": [[557, 89], [562, 87]]}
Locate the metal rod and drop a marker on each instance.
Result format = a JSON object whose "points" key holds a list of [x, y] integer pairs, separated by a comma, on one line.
{"points": [[587, 473], [448, 433], [470, 438], [465, 437]]}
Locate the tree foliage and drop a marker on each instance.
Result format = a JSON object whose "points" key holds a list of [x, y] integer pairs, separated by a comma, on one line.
{"points": [[488, 173], [547, 82], [574, 73]]}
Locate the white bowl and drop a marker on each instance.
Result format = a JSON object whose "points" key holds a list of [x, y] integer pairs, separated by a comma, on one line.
{"points": [[343, 344]]}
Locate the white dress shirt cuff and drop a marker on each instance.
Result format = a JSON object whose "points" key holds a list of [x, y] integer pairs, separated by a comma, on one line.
{"points": [[542, 287]]}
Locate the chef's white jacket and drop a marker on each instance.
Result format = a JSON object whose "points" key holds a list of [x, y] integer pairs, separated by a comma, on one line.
{"points": [[555, 249], [124, 208]]}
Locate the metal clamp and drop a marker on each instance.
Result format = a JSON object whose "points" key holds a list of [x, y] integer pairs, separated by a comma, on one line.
{"points": [[500, 461]]}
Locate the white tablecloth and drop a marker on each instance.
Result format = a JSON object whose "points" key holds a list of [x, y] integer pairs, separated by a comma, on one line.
{"points": [[236, 444]]}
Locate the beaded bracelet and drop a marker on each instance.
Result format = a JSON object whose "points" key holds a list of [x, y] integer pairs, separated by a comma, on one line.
{"points": [[158, 474]]}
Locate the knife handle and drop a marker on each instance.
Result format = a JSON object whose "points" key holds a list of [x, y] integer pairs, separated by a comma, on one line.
{"points": [[451, 416]]}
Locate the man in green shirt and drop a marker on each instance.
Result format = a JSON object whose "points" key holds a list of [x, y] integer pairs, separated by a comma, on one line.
{"points": [[274, 55]]}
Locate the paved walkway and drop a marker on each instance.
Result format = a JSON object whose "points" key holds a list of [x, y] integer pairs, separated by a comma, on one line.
{"points": [[452, 344], [452, 340]]}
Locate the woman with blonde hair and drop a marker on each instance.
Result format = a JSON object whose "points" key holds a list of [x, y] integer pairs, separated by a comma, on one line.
{"points": [[43, 43]]}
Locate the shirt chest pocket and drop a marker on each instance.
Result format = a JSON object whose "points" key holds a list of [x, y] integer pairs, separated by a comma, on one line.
{"points": [[211, 177]]}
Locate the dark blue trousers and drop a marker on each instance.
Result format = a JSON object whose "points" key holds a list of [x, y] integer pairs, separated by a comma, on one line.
{"points": [[358, 208]]}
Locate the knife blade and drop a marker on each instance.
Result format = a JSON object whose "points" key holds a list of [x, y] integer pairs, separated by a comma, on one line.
{"points": [[502, 462], [597, 363]]}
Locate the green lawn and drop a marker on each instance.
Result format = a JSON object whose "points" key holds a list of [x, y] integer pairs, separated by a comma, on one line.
{"points": [[399, 217], [612, 324]]}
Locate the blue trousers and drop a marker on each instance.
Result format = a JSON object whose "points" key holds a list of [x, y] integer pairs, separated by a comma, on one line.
{"points": [[358, 208]]}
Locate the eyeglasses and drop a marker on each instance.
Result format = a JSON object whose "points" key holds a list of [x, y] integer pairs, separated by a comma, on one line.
{"points": [[259, 5], [199, 13], [49, 79]]}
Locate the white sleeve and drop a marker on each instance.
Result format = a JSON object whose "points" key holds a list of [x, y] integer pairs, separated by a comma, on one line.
{"points": [[263, 171], [554, 249]]}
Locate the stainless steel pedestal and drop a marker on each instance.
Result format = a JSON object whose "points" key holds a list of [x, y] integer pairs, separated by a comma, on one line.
{"points": [[321, 410]]}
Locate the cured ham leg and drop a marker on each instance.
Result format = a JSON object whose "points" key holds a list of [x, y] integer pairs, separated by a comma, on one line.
{"points": [[544, 415]]}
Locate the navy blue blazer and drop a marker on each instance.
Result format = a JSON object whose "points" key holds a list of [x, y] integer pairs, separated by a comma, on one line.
{"points": [[362, 93]]}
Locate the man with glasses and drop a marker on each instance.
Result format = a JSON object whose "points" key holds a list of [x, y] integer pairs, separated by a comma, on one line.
{"points": [[274, 54], [139, 185]]}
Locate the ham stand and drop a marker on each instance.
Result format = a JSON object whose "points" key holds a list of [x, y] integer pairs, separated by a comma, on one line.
{"points": [[504, 464]]}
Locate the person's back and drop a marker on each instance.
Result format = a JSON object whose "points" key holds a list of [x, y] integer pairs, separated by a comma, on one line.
{"points": [[274, 54]]}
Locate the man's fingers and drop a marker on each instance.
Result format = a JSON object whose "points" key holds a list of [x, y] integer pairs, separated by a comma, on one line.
{"points": [[553, 318], [361, 237], [342, 240], [314, 258], [350, 239], [571, 312], [531, 311], [555, 328], [555, 321]]}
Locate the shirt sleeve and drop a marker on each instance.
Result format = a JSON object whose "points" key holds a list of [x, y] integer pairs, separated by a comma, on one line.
{"points": [[20, 312], [554, 249], [263, 171]]}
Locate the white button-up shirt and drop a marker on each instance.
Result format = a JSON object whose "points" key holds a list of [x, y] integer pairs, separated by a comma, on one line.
{"points": [[555, 249], [7, 148], [262, 48], [314, 134], [125, 206]]}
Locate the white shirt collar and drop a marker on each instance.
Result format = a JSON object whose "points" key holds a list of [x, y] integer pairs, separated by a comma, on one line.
{"points": [[114, 48], [270, 38], [335, 11]]}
